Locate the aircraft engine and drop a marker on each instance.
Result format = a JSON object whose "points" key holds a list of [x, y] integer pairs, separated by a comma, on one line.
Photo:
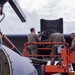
{"points": [[12, 63]]}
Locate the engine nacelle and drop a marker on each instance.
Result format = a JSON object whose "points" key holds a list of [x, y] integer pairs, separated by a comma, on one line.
{"points": [[12, 63]]}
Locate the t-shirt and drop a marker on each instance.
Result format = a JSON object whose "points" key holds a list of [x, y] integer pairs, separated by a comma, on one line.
{"points": [[32, 37], [73, 41], [57, 37]]}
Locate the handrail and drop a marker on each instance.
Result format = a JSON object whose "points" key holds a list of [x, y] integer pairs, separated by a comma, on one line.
{"points": [[41, 43], [29, 43], [41, 55]]}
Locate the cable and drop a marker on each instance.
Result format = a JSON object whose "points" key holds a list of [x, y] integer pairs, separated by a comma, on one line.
{"points": [[2, 17]]}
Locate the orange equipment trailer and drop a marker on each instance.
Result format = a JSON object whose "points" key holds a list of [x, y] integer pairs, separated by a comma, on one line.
{"points": [[67, 58]]}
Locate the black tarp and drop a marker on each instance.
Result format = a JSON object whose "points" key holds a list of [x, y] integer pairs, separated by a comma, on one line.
{"points": [[54, 24]]}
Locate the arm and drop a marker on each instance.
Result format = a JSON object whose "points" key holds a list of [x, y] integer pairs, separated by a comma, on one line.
{"points": [[50, 38], [38, 38], [64, 39], [72, 46]]}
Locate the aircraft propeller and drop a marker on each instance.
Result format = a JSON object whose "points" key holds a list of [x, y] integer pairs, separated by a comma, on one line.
{"points": [[14, 4]]}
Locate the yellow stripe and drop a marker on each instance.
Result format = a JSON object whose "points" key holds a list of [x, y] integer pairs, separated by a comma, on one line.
{"points": [[2, 36], [13, 47]]}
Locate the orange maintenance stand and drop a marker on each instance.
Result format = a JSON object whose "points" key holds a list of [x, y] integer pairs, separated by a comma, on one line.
{"points": [[67, 58]]}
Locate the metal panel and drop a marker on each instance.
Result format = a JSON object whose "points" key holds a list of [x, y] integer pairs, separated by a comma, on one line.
{"points": [[54, 24]]}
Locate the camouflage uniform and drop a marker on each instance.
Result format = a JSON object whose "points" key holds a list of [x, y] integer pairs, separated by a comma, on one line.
{"points": [[55, 37], [32, 49], [73, 41]]}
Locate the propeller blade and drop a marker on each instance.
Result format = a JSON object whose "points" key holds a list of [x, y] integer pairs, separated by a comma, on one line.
{"points": [[18, 10]]}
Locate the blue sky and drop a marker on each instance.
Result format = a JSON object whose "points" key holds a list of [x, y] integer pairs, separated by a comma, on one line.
{"points": [[36, 10]]}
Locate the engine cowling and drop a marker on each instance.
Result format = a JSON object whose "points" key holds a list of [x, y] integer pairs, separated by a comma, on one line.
{"points": [[12, 63]]}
